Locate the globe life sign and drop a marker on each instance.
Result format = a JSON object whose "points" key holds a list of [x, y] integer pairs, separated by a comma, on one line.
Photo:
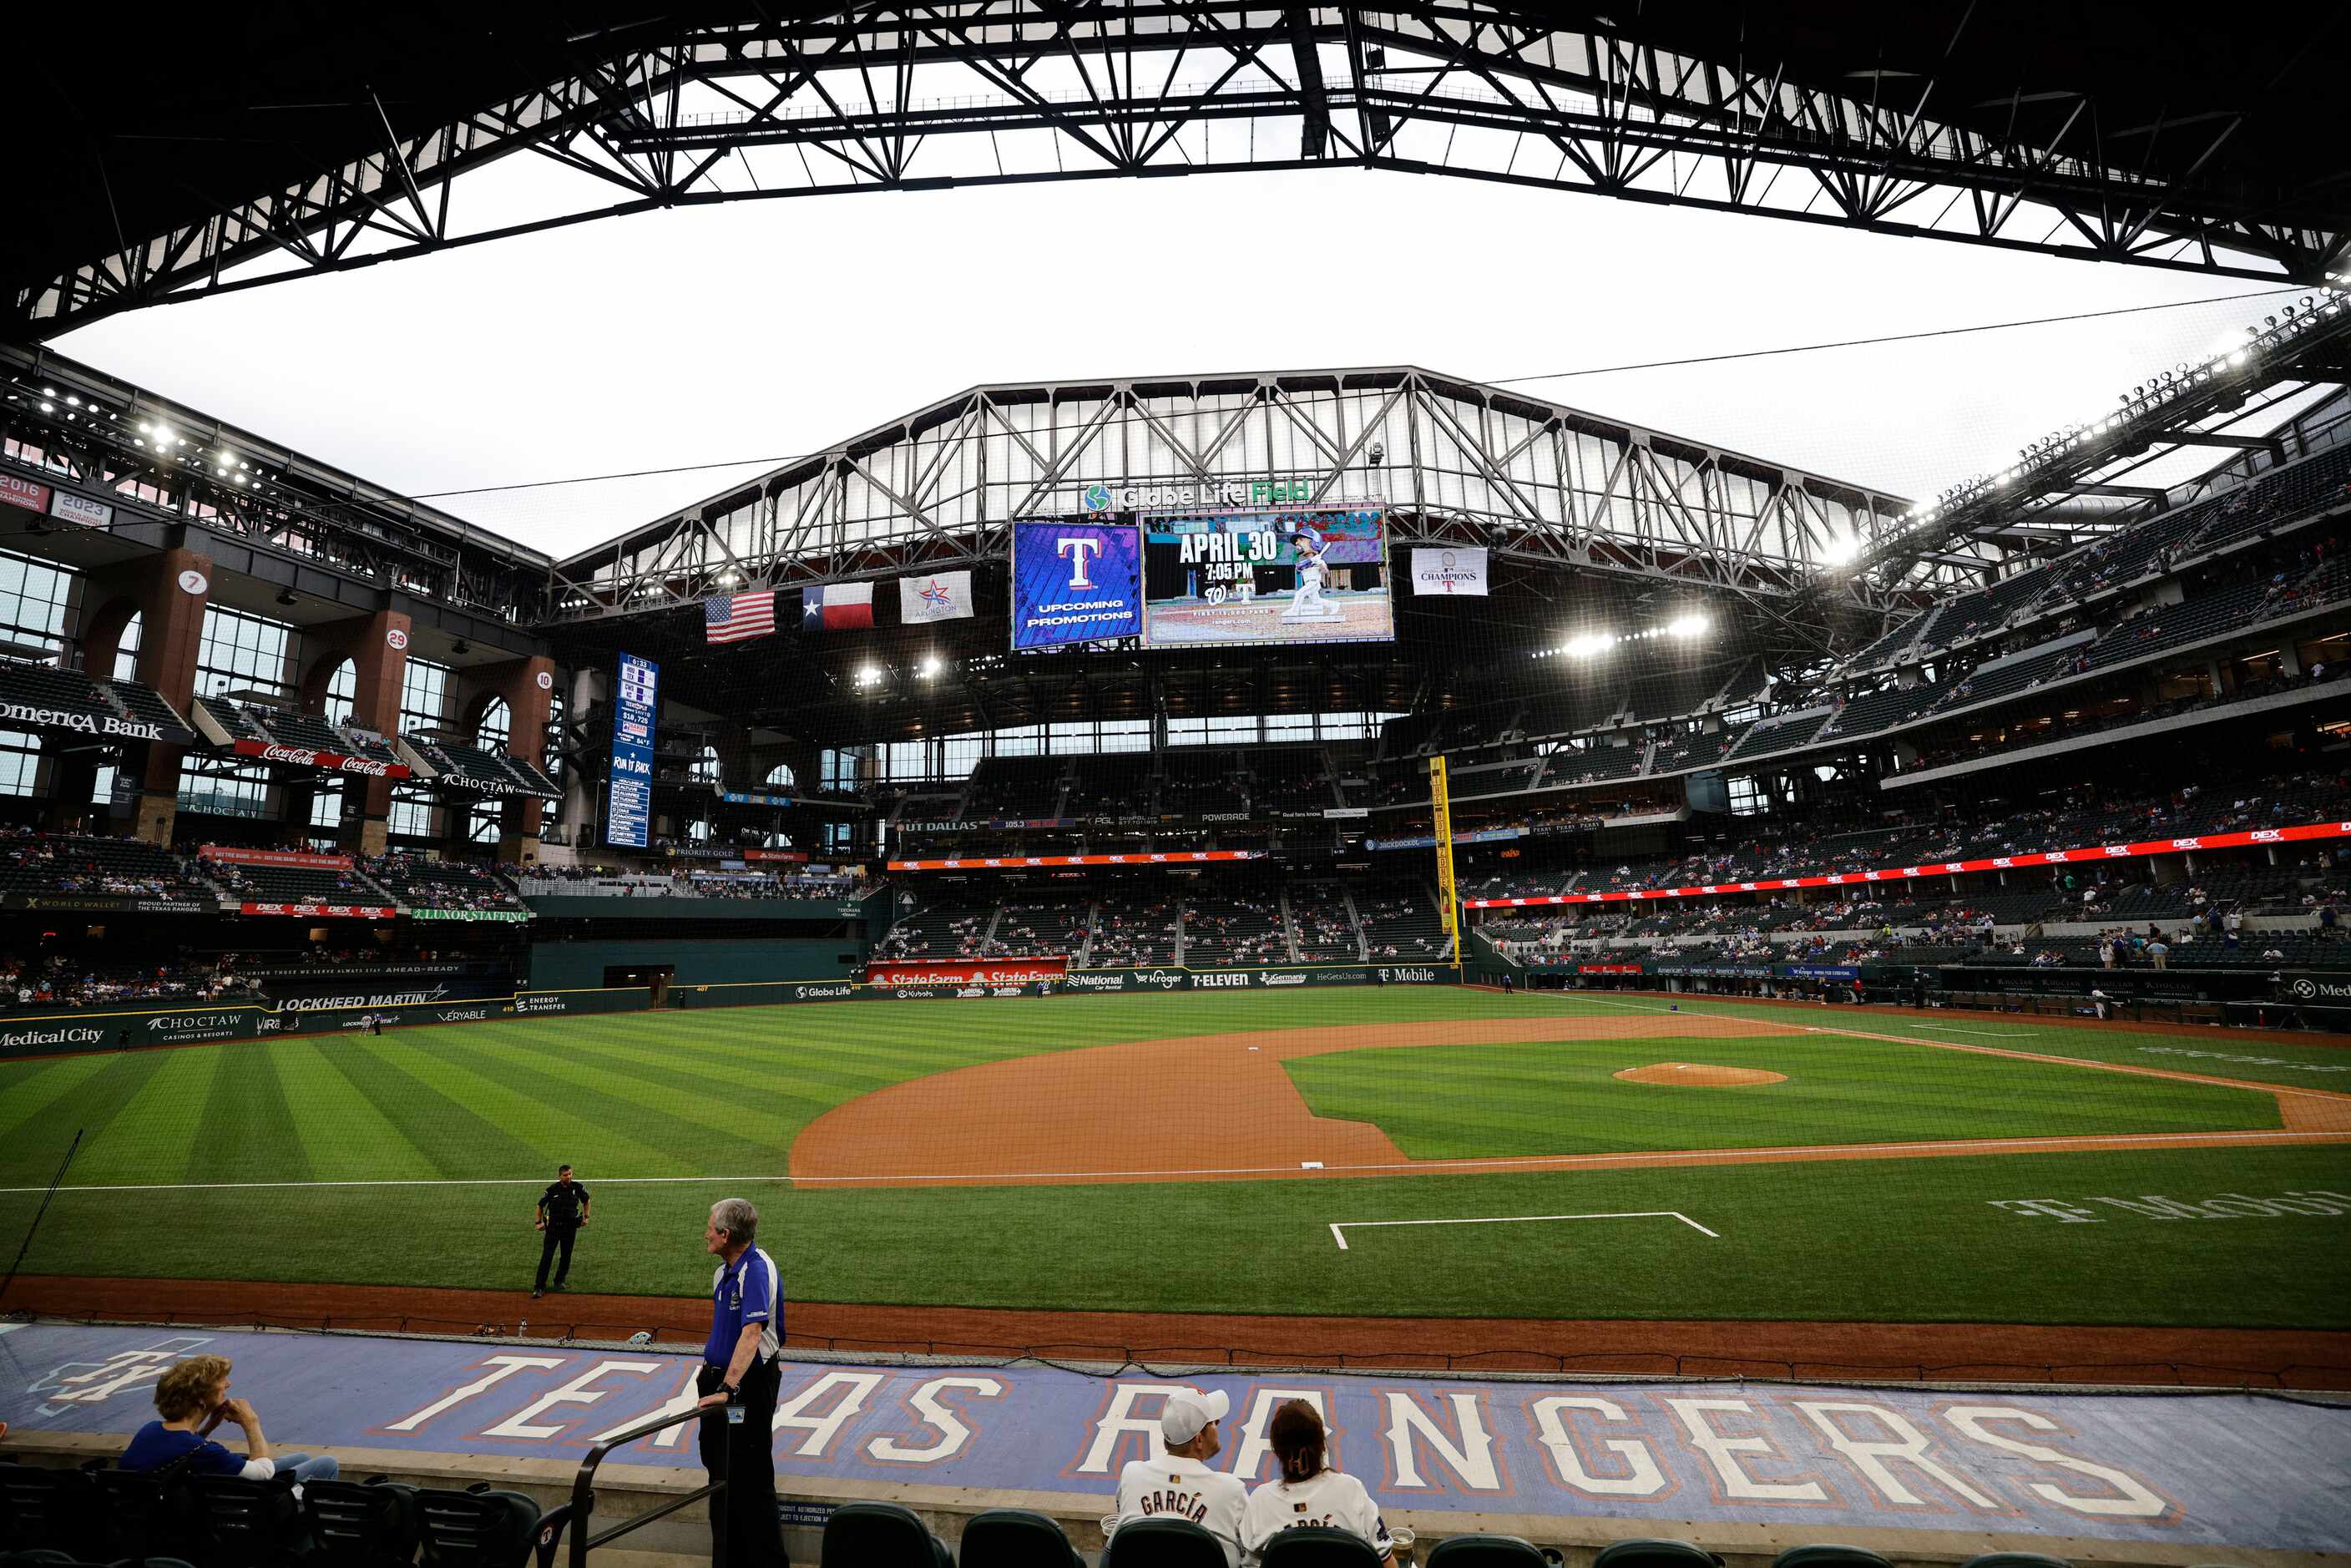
{"points": [[1104, 496]]}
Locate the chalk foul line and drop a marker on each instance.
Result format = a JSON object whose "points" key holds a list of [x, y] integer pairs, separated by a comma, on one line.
{"points": [[1339, 1228]]}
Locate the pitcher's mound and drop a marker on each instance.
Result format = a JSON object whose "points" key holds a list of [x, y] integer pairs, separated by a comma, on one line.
{"points": [[1699, 1075]]}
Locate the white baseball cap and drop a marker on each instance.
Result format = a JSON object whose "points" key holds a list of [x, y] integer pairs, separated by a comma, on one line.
{"points": [[1186, 1414]]}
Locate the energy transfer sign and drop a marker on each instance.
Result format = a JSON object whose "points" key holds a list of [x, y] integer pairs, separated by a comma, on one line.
{"points": [[629, 787]]}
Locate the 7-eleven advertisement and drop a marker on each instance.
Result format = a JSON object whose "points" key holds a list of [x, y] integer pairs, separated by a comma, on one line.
{"points": [[967, 971]]}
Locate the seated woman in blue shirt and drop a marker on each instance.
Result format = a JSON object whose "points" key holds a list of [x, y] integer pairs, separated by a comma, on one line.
{"points": [[193, 1399]]}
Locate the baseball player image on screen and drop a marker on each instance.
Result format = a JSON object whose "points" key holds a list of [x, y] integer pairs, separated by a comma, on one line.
{"points": [[1306, 601]]}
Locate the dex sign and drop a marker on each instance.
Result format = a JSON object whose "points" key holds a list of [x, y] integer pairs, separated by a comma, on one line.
{"points": [[629, 787]]}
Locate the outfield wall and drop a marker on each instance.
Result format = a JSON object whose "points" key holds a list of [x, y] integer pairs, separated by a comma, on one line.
{"points": [[68, 1033]]}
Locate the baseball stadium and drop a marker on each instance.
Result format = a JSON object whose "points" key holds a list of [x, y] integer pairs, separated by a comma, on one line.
{"points": [[1664, 1007]]}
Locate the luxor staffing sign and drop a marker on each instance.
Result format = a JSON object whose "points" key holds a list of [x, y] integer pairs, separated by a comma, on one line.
{"points": [[629, 785]]}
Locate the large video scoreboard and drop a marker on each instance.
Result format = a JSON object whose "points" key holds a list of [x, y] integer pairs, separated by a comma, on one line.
{"points": [[1204, 578]]}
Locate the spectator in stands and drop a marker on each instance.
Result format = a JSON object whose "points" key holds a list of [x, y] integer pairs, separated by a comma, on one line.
{"points": [[737, 1382], [1308, 1492], [191, 1400], [1181, 1484], [2159, 951]]}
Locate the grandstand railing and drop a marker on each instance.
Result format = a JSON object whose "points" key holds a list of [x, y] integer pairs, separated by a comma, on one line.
{"points": [[583, 1494]]}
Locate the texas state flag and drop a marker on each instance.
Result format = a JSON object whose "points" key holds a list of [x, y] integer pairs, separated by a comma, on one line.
{"points": [[836, 606]]}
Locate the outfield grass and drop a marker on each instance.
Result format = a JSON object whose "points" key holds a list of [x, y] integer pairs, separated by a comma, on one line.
{"points": [[1559, 1097], [716, 1098]]}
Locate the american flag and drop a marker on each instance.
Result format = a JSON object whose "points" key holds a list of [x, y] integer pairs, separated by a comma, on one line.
{"points": [[739, 617]]}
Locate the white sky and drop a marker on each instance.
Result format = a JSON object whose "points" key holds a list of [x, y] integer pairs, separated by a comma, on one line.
{"points": [[762, 330]]}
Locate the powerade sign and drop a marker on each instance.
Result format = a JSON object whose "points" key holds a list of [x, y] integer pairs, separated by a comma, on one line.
{"points": [[1075, 582], [630, 784]]}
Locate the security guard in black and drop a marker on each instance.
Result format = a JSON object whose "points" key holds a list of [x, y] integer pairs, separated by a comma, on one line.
{"points": [[563, 1210]]}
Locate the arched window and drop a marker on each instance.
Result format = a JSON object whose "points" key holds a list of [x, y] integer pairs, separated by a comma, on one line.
{"points": [[126, 651], [496, 723], [342, 690], [781, 777]]}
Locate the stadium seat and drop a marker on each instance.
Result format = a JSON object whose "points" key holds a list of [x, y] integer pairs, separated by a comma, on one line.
{"points": [[476, 1528], [882, 1535], [1317, 1546], [1650, 1553], [1163, 1543], [249, 1524], [1015, 1538], [1488, 1551], [2015, 1560], [44, 1509], [1828, 1557], [144, 1518], [362, 1524]]}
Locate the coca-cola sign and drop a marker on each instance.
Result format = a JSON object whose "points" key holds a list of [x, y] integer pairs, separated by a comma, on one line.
{"points": [[332, 761]]}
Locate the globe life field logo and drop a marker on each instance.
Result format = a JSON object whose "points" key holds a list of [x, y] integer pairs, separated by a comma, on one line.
{"points": [[1095, 498]]}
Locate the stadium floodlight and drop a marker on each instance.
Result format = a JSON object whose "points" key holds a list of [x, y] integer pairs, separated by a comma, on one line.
{"points": [[48, 407], [929, 667], [1587, 646], [1687, 626]]}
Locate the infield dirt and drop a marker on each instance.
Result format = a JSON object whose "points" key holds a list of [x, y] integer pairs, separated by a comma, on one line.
{"points": [[1219, 1107]]}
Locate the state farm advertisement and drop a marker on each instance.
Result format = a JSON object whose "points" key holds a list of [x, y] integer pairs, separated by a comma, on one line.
{"points": [[332, 761], [967, 971]]}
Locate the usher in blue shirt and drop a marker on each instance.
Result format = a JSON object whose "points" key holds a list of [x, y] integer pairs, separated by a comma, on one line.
{"points": [[748, 1290]]}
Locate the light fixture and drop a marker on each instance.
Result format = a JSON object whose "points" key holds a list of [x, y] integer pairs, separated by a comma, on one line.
{"points": [[1587, 646], [929, 667], [1687, 626], [286, 596], [49, 408]]}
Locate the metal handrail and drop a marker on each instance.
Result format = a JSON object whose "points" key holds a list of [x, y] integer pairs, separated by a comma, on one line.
{"points": [[583, 1493]]}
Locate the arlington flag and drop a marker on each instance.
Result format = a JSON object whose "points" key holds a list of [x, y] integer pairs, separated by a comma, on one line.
{"points": [[940, 596]]}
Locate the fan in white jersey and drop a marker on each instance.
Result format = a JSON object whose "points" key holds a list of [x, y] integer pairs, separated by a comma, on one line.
{"points": [[1181, 1484], [1307, 1492]]}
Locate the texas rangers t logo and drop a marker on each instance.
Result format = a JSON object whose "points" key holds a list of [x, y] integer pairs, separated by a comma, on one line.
{"points": [[1076, 551]]}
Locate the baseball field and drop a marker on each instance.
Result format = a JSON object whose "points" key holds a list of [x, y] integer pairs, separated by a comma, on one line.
{"points": [[1410, 1151]]}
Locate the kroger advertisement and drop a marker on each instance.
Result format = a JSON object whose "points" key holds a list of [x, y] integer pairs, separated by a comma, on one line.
{"points": [[1076, 581], [1274, 574]]}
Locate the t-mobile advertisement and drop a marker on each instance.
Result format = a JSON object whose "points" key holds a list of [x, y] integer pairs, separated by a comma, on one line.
{"points": [[1075, 582]]}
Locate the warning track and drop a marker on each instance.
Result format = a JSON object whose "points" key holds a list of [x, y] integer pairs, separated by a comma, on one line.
{"points": [[1219, 1107]]}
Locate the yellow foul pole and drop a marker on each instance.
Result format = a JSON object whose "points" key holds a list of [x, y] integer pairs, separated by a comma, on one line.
{"points": [[1441, 811]]}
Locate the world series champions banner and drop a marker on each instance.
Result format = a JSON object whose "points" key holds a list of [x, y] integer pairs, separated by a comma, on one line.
{"points": [[2183, 1472]]}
